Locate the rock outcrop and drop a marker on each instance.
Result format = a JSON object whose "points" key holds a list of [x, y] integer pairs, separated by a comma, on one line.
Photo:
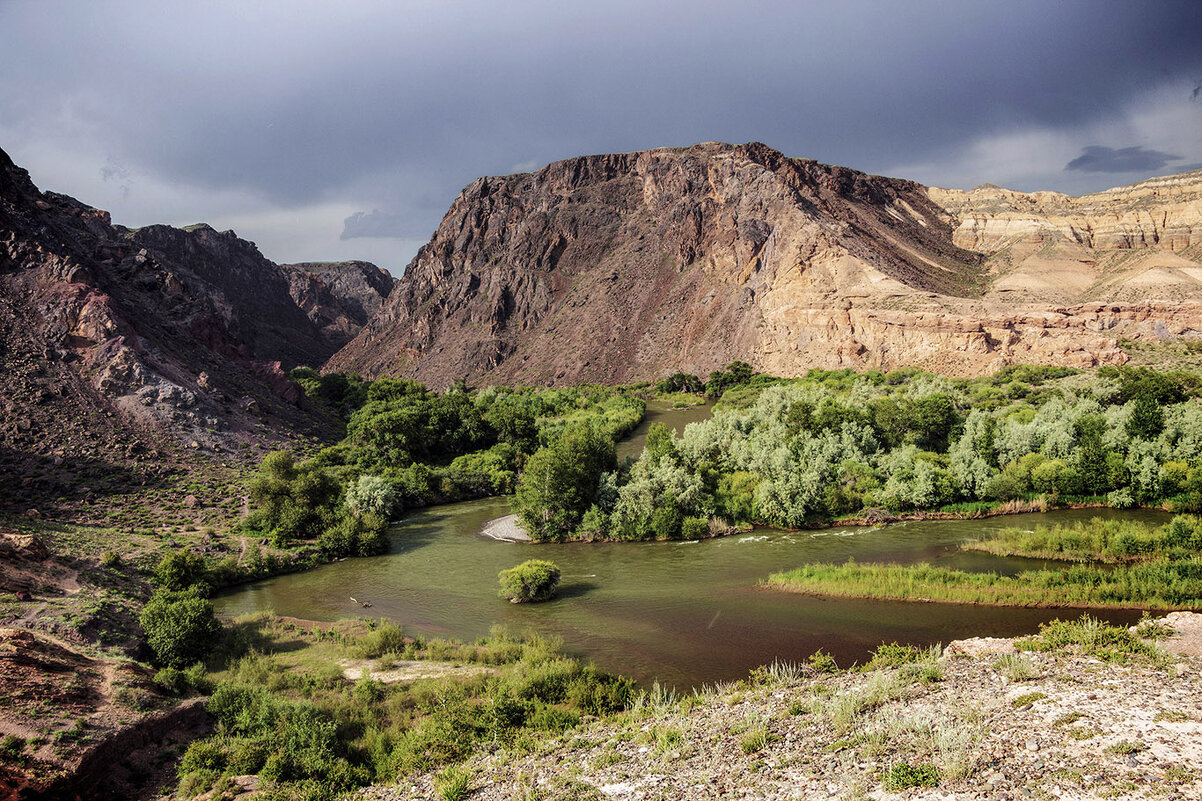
{"points": [[630, 266], [1128, 244], [117, 342], [360, 286]]}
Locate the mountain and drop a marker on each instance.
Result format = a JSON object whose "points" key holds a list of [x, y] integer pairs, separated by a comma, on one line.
{"points": [[631, 266], [360, 286], [118, 342]]}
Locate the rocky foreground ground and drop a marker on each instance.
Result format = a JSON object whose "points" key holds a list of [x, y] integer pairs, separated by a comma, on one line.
{"points": [[979, 720]]}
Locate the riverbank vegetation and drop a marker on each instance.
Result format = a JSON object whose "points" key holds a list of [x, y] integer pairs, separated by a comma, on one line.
{"points": [[407, 446], [837, 444], [1154, 567], [286, 713], [1099, 540]]}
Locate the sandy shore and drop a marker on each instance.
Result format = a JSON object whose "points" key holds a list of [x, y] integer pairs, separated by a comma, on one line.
{"points": [[505, 529]]}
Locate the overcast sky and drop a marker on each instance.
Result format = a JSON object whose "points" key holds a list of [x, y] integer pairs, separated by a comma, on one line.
{"points": [[337, 130]]}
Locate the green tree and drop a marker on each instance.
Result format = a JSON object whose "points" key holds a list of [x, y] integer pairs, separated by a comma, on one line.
{"points": [[659, 443], [681, 382], [1091, 455], [560, 481], [179, 627], [1147, 418], [182, 569], [292, 501]]}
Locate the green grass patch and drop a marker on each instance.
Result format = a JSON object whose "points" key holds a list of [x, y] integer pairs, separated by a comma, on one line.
{"points": [[1094, 638], [285, 712], [1028, 698], [1099, 540], [1155, 585]]}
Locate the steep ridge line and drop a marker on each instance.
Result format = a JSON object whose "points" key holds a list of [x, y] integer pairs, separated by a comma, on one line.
{"points": [[630, 266]]}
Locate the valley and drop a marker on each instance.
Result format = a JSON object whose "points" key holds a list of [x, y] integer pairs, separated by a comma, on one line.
{"points": [[718, 387]]}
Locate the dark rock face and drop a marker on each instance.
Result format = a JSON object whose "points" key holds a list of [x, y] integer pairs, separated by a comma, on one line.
{"points": [[359, 286], [117, 341], [620, 267]]}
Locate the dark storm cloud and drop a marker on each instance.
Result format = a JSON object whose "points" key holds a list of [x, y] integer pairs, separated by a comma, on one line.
{"points": [[397, 106], [1096, 158]]}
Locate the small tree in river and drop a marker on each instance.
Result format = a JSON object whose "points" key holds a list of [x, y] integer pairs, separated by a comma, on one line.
{"points": [[532, 580]]}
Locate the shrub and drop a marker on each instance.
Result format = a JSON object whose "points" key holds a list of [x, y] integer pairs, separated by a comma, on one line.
{"points": [[385, 638], [182, 569], [533, 580], [694, 528], [822, 662], [454, 783], [600, 694], [355, 536], [179, 627], [893, 655], [371, 495], [172, 680], [903, 775]]}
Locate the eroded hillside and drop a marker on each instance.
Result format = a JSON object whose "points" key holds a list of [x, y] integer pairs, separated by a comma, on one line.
{"points": [[630, 266], [120, 345]]}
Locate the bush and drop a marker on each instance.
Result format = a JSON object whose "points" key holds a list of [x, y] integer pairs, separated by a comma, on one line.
{"points": [[181, 570], [355, 536], [371, 495], [694, 528], [903, 775], [171, 680], [532, 580], [179, 627]]}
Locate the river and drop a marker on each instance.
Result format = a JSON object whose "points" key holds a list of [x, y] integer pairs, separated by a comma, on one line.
{"points": [[680, 613]]}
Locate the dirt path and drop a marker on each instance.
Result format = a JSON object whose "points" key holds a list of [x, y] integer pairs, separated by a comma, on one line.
{"points": [[405, 670]]}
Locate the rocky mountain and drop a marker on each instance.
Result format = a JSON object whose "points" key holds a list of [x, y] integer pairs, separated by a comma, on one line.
{"points": [[631, 266], [360, 286], [117, 341]]}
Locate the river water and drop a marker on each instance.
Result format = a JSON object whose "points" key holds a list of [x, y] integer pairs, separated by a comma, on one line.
{"points": [[680, 613]]}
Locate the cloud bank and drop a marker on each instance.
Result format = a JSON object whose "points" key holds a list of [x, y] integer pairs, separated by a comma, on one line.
{"points": [[267, 116]]}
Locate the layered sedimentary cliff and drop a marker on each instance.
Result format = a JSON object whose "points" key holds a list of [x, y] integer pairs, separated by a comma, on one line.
{"points": [[630, 266]]}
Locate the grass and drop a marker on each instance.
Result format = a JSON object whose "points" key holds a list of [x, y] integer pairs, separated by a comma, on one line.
{"points": [[1028, 698], [1099, 540], [1084, 732], [1117, 564], [1094, 638], [453, 783], [283, 707], [1153, 585], [757, 738], [1015, 668], [1171, 716]]}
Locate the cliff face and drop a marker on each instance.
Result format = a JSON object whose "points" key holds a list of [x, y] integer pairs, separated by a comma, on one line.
{"points": [[630, 266], [1128, 244], [617, 267], [116, 341], [359, 286]]}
